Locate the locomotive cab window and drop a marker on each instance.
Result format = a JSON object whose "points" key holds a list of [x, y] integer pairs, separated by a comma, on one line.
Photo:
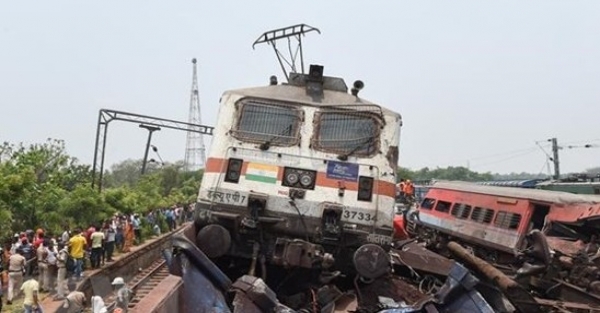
{"points": [[443, 206], [507, 220], [346, 133], [267, 123]]}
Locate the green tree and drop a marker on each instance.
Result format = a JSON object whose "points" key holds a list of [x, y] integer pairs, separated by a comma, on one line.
{"points": [[36, 183], [448, 173]]}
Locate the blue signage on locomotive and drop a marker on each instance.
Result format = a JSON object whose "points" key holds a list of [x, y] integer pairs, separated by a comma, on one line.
{"points": [[341, 170]]}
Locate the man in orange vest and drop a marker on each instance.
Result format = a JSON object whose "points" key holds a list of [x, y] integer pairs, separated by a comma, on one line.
{"points": [[409, 190], [400, 190]]}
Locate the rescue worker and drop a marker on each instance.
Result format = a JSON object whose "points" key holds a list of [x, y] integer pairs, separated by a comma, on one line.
{"points": [[124, 294], [409, 191], [401, 187], [75, 302]]}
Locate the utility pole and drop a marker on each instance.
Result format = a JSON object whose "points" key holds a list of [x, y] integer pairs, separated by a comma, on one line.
{"points": [[555, 157], [151, 129]]}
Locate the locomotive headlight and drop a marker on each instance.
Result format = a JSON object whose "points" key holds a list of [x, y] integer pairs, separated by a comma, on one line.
{"points": [[292, 178], [306, 180], [298, 178]]}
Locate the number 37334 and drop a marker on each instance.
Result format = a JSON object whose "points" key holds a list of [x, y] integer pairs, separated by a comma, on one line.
{"points": [[358, 216]]}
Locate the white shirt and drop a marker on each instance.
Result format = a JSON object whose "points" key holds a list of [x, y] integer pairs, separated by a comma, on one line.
{"points": [[65, 236], [51, 257]]}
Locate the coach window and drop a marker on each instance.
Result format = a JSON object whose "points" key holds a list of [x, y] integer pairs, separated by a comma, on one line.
{"points": [[443, 206], [461, 210], [265, 122], [482, 215], [427, 203], [507, 220]]}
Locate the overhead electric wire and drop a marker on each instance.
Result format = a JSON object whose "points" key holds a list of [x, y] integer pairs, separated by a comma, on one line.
{"points": [[580, 141], [547, 165], [502, 154], [530, 151]]}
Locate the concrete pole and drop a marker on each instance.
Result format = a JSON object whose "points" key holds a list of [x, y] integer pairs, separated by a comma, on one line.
{"points": [[151, 129]]}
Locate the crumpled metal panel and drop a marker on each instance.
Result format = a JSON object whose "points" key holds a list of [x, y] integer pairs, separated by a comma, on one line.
{"points": [[209, 283], [419, 258]]}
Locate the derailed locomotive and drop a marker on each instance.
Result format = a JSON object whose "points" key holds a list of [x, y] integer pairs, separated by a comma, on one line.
{"points": [[298, 173], [300, 184]]}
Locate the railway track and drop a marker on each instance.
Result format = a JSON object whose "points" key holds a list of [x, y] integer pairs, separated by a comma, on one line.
{"points": [[142, 284]]}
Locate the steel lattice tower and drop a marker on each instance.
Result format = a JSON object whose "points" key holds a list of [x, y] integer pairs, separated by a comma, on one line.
{"points": [[195, 157]]}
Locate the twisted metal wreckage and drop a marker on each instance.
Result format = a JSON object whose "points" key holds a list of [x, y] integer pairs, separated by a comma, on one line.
{"points": [[386, 292], [406, 278]]}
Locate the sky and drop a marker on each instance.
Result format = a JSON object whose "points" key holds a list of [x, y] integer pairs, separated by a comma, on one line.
{"points": [[478, 83]]}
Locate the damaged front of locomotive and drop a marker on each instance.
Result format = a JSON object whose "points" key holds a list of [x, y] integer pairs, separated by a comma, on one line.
{"points": [[300, 174]]}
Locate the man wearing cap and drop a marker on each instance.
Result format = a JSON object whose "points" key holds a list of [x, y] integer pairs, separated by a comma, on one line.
{"points": [[124, 294]]}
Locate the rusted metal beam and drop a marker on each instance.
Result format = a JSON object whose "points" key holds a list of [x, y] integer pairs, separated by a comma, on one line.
{"points": [[516, 294]]}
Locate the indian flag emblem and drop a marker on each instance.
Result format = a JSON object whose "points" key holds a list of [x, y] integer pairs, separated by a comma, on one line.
{"points": [[262, 173]]}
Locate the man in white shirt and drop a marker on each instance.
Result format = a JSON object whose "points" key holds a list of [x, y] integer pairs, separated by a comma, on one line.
{"points": [[51, 265], [65, 235], [109, 243]]}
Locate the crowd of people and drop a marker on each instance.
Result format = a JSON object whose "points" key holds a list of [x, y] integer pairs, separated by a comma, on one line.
{"points": [[54, 258]]}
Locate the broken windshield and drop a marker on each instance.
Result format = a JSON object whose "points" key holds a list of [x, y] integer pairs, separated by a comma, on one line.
{"points": [[346, 133], [262, 122]]}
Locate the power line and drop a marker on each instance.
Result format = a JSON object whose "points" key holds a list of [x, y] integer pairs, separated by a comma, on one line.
{"points": [[502, 154], [524, 153], [547, 165], [579, 146], [580, 141]]}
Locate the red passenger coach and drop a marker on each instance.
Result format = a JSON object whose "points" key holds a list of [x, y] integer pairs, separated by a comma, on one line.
{"points": [[497, 219]]}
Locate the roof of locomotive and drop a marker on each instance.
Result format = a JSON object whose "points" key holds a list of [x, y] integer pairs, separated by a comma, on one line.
{"points": [[298, 94], [548, 196]]}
